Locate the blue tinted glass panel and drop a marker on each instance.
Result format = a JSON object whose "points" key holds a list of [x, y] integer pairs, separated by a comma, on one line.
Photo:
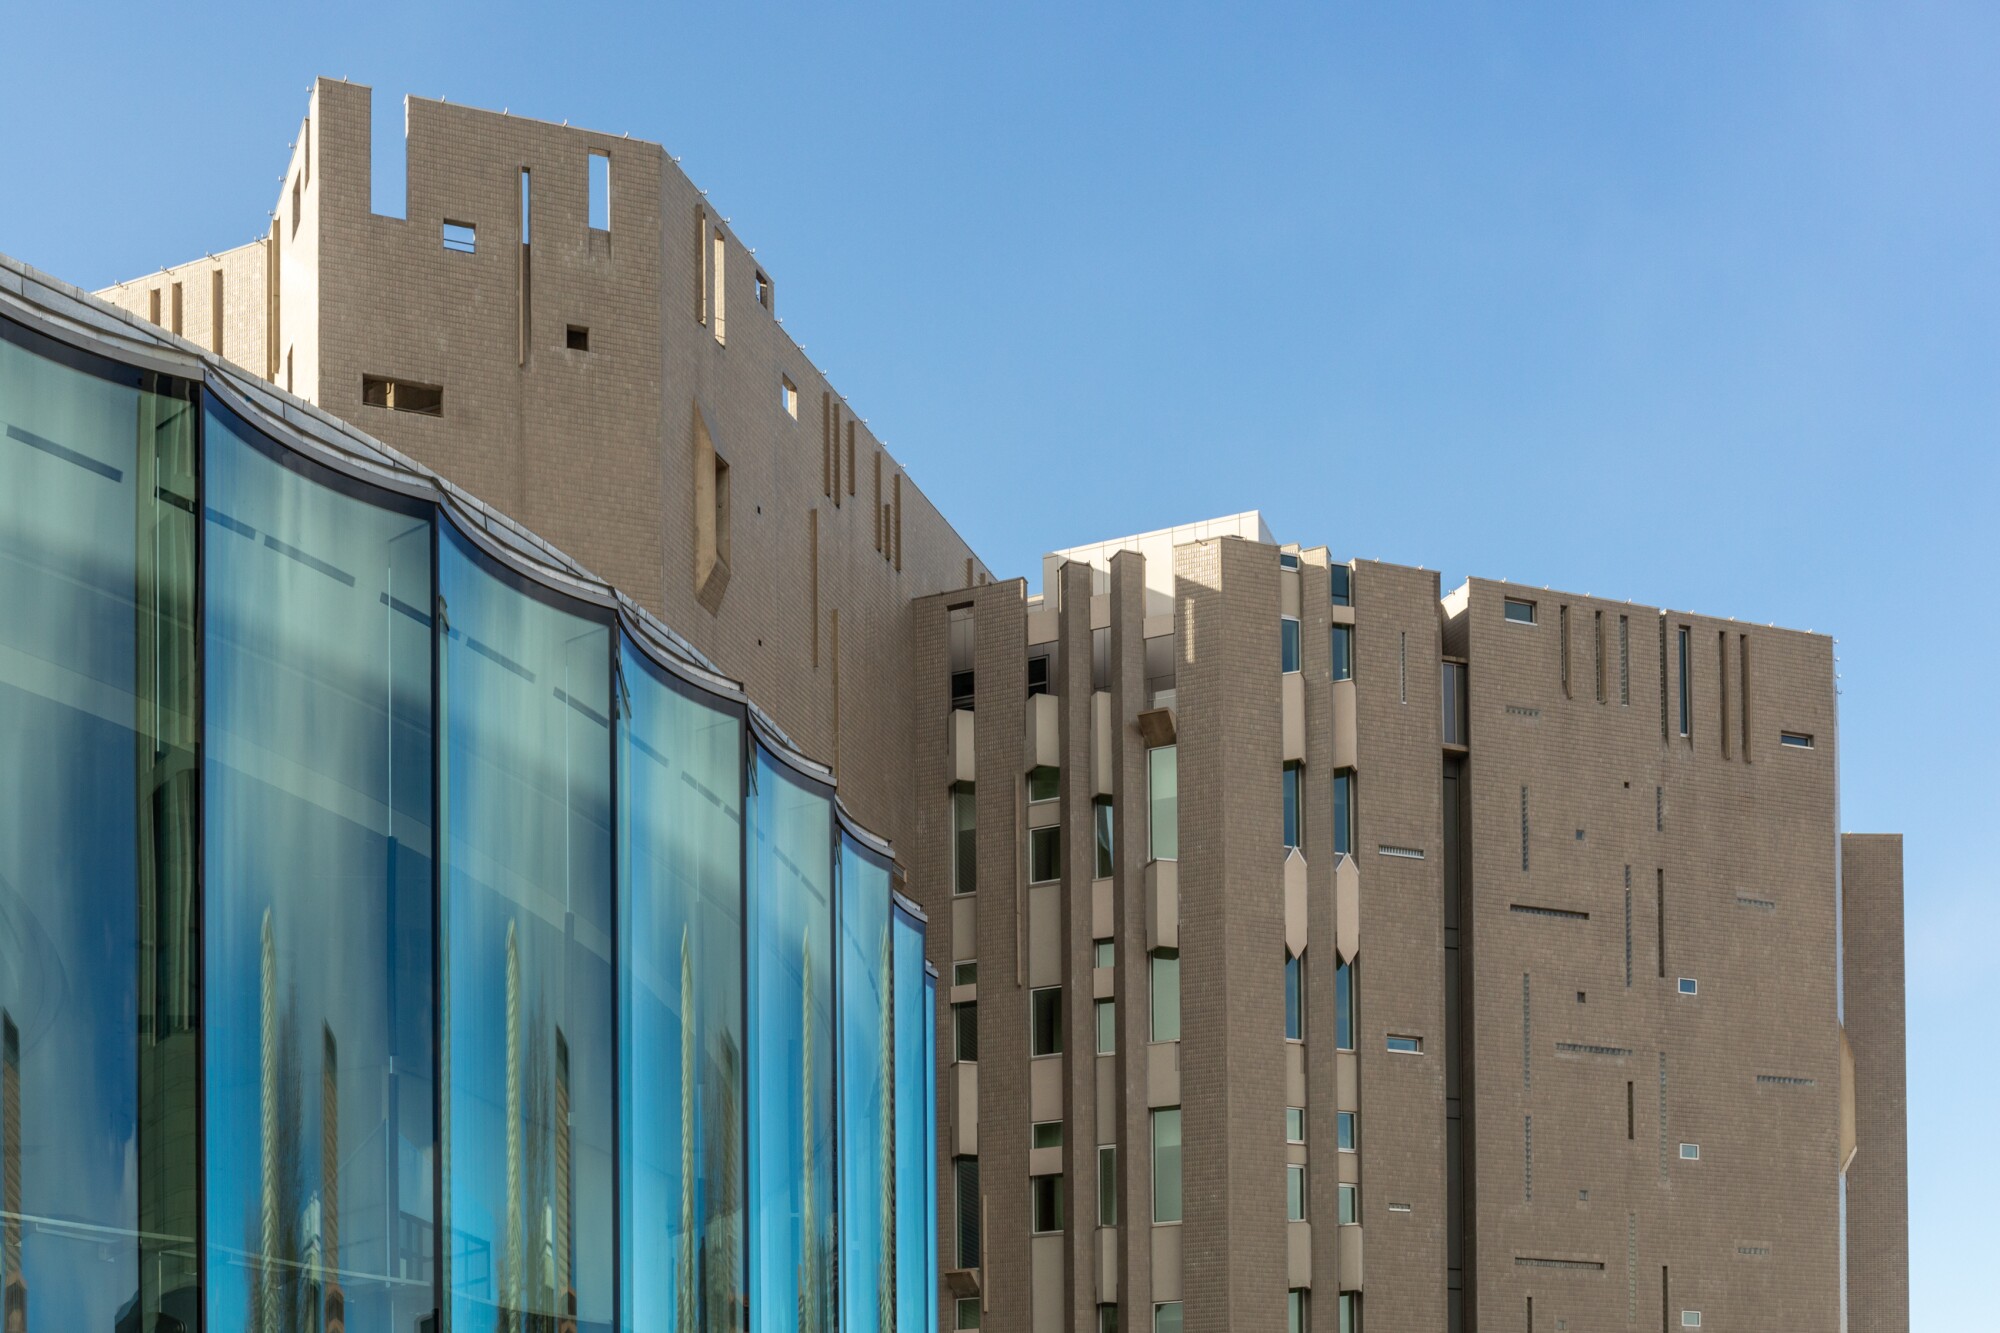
{"points": [[318, 895], [867, 1160], [680, 768], [98, 827], [791, 1018], [914, 1293], [1343, 1007], [526, 951], [930, 1287]]}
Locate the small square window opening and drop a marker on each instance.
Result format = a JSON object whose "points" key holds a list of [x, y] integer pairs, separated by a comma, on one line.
{"points": [[577, 338], [460, 237], [1688, 986]]}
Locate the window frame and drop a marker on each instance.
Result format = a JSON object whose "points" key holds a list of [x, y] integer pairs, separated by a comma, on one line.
{"points": [[1291, 645], [1509, 605], [1340, 651], [1039, 1002], [1039, 838], [1296, 1199], [1347, 1131]]}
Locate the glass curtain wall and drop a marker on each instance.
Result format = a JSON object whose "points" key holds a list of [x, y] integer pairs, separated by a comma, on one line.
{"points": [[317, 897], [680, 847], [99, 799], [867, 1146], [525, 952], [915, 1295], [791, 1017], [929, 1289]]}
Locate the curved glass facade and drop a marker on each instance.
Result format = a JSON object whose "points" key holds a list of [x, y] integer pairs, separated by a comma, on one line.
{"points": [[391, 940]]}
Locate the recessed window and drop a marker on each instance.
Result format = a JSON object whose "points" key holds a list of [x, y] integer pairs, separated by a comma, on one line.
{"points": [[1044, 854], [1294, 821], [967, 1309], [764, 294], [964, 839], [425, 400], [576, 337], [1288, 644], [1047, 1195], [1690, 1319], [1288, 560], [1048, 1134], [600, 191], [1340, 585], [1690, 1152], [1342, 643], [1518, 610], [1038, 675], [1104, 818], [1343, 1006], [1405, 1045], [1688, 986], [1347, 1127], [1163, 987], [1107, 1186], [1297, 1316], [1044, 782], [1045, 1021], [965, 974], [965, 1031], [1167, 1166], [1797, 740], [1106, 1014], [1104, 954], [788, 396], [1164, 806], [1295, 997], [1107, 1315], [1350, 1205], [1167, 1317], [1295, 1124], [1295, 1193], [1343, 812], [461, 238]]}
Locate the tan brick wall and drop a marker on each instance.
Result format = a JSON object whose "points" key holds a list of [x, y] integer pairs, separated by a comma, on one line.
{"points": [[1878, 1188]]}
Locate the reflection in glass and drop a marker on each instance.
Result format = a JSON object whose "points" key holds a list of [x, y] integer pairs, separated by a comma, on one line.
{"points": [[867, 1150], [680, 770], [930, 1194], [525, 953], [916, 1297], [98, 824], [791, 1017], [318, 896]]}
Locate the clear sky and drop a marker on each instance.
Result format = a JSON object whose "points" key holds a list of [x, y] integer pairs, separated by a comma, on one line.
{"points": [[1692, 304]]}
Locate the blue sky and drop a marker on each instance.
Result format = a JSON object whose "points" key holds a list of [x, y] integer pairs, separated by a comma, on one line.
{"points": [[1695, 305]]}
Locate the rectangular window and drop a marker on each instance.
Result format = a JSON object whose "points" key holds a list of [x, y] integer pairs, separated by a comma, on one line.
{"points": [[177, 308], [600, 191], [1045, 1027], [1660, 918], [1343, 812], [1350, 1204], [1597, 638], [1100, 664], [1038, 675], [1163, 802], [1288, 644], [965, 974], [1044, 782], [1107, 1316], [1295, 1192], [1106, 1013], [576, 338], [460, 237], [1341, 641], [1518, 610], [1797, 740], [1562, 635], [1047, 1134], [967, 1310], [765, 296], [1106, 953], [1688, 986], [1346, 1127], [1690, 1152], [959, 637], [1690, 1319], [1350, 1312], [719, 275], [1167, 1165], [1295, 997], [1343, 1006], [1296, 1320], [1167, 1317], [965, 1192], [964, 839], [1405, 1045], [1454, 681], [1288, 560], [1340, 584], [965, 1032], [788, 396], [1107, 1185], [1294, 809], [1102, 817], [1163, 988], [1625, 660], [1044, 854], [1686, 695], [1630, 1110], [1295, 1124], [1046, 1193], [425, 400]]}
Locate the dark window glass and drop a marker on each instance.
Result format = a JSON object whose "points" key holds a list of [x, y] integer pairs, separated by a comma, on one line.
{"points": [[1038, 675], [1045, 1021], [1340, 584], [1295, 997], [961, 690], [1343, 1007], [965, 1196], [1342, 644], [1295, 1193], [964, 839], [1519, 611], [1686, 693], [98, 822], [1288, 644], [1044, 854], [791, 1017], [1044, 783], [1101, 811], [1294, 830], [1100, 659], [1345, 1126], [1047, 1195], [965, 1031], [1343, 812], [680, 766], [1107, 1186], [526, 933], [318, 891]]}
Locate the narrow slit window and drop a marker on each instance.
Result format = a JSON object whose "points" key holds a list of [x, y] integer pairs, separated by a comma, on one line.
{"points": [[1562, 632], [1795, 740], [788, 396], [425, 400], [1686, 691], [718, 274], [461, 238], [600, 191], [1624, 661], [764, 295]]}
